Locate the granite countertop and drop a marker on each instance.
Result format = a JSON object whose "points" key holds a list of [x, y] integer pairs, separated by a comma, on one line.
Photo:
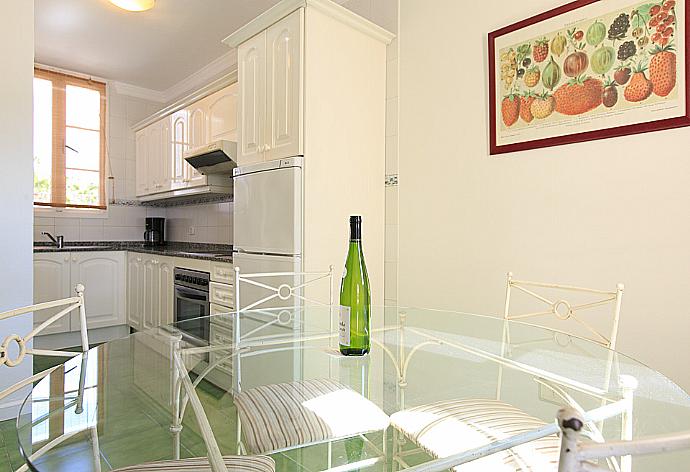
{"points": [[204, 251]]}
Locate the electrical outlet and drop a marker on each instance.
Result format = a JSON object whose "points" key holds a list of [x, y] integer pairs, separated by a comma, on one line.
{"points": [[191, 231]]}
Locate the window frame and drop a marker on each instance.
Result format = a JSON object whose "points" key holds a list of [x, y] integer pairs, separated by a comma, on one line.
{"points": [[58, 185]]}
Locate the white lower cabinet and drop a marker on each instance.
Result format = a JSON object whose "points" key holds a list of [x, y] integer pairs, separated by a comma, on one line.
{"points": [[150, 302], [103, 275]]}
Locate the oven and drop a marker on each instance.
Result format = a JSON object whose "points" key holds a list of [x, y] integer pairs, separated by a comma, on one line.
{"points": [[192, 304]]}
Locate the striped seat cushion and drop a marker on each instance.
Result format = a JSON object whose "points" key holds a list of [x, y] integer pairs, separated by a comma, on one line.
{"points": [[200, 464], [286, 415], [450, 427]]}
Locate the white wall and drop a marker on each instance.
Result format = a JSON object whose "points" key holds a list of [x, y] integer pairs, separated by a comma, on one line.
{"points": [[16, 182], [591, 214]]}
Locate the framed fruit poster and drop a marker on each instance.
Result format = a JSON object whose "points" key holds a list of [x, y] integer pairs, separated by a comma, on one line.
{"points": [[588, 70]]}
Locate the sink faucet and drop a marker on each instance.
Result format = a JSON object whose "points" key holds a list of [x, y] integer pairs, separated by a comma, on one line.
{"points": [[59, 242]]}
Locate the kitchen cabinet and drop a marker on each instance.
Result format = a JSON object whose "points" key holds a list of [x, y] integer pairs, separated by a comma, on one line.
{"points": [[103, 275], [150, 291], [270, 77], [141, 165], [52, 282], [160, 146], [135, 290]]}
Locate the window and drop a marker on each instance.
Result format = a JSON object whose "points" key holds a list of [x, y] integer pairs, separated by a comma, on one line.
{"points": [[69, 141]]}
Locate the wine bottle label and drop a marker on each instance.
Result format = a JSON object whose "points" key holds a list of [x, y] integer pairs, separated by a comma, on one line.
{"points": [[344, 325]]}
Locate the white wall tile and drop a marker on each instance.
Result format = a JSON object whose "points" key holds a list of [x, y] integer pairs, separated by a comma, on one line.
{"points": [[44, 221], [116, 147], [117, 216], [137, 110], [91, 233], [391, 248], [392, 154], [130, 170], [155, 212], [123, 233], [117, 166], [135, 216], [391, 195], [38, 237], [67, 227], [130, 148], [390, 284]]}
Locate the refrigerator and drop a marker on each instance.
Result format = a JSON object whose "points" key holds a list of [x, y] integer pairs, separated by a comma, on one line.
{"points": [[267, 220], [267, 237]]}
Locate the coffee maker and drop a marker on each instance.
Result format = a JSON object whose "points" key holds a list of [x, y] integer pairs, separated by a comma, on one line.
{"points": [[155, 232]]}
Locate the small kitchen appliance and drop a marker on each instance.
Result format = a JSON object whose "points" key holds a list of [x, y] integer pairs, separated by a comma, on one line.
{"points": [[155, 232]]}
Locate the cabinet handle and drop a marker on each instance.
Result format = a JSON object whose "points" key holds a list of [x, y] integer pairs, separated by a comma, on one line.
{"points": [[138, 259], [267, 148], [66, 258], [260, 148], [74, 259]]}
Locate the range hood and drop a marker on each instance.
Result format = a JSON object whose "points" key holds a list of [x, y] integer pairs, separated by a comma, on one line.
{"points": [[217, 157]]}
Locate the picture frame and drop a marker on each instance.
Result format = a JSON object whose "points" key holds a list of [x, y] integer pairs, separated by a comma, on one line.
{"points": [[567, 60]]}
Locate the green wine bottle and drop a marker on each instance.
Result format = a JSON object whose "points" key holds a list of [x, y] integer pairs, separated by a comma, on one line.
{"points": [[355, 298]]}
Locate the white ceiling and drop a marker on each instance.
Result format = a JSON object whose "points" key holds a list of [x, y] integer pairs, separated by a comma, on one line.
{"points": [[154, 49]]}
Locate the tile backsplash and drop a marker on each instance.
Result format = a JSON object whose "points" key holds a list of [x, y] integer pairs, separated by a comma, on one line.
{"points": [[209, 223]]}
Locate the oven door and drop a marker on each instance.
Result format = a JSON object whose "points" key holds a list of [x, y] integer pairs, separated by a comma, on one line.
{"points": [[192, 310]]}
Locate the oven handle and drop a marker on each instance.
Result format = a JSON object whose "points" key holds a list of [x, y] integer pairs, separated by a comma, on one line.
{"points": [[190, 294]]}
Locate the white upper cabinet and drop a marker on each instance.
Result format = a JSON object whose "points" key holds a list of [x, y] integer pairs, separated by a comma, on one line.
{"points": [[142, 186], [251, 70], [180, 143], [154, 142], [161, 145], [222, 114], [284, 83], [270, 76]]}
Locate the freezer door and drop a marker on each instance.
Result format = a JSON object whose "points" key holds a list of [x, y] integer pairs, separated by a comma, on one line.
{"points": [[268, 211]]}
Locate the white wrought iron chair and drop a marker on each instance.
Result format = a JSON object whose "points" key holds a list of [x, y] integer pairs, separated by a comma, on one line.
{"points": [[69, 304], [492, 419], [274, 416], [576, 456]]}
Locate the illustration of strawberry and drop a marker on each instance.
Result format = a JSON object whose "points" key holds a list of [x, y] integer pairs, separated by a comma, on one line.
{"points": [[639, 88], [525, 107], [510, 109], [540, 51], [579, 95], [662, 70], [543, 106], [532, 76]]}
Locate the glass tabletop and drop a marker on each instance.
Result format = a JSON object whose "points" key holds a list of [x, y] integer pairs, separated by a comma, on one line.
{"points": [[166, 394]]}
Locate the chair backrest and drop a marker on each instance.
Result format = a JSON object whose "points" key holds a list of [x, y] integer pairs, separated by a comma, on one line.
{"points": [[6, 359], [575, 457], [282, 291], [563, 310]]}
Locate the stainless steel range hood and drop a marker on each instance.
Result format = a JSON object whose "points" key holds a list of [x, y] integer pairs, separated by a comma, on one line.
{"points": [[217, 157]]}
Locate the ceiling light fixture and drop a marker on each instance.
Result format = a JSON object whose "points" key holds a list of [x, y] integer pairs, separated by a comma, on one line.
{"points": [[134, 5]]}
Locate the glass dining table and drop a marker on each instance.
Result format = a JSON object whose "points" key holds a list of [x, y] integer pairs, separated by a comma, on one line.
{"points": [[164, 394]]}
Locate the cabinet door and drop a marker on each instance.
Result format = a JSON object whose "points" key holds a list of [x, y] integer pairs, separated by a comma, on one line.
{"points": [[198, 136], [180, 143], [154, 141], [142, 186], [51, 282], [151, 293], [165, 159], [135, 291], [166, 293], [251, 57], [284, 48], [103, 276], [222, 114]]}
